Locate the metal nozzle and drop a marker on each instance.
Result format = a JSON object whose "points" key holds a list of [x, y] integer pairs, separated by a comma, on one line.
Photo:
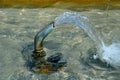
{"points": [[52, 63], [40, 36]]}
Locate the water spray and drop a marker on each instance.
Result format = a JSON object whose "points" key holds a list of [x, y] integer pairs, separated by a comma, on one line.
{"points": [[107, 54]]}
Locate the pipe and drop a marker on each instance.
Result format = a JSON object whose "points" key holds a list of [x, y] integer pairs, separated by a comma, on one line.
{"points": [[41, 64], [40, 36]]}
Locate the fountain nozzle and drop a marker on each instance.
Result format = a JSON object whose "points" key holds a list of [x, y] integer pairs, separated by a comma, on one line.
{"points": [[52, 63]]}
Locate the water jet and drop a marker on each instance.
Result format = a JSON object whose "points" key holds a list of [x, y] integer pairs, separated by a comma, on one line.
{"points": [[107, 54]]}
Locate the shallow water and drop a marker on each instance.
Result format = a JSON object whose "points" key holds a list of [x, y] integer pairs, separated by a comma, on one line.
{"points": [[19, 26]]}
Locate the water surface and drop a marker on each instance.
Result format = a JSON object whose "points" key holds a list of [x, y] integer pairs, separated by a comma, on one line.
{"points": [[19, 26]]}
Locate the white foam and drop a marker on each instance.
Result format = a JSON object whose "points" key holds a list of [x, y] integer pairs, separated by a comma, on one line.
{"points": [[111, 54]]}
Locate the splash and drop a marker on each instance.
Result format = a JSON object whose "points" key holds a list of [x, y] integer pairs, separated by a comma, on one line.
{"points": [[109, 54]]}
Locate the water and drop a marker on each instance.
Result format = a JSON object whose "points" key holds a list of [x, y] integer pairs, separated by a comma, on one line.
{"points": [[82, 22], [109, 54], [18, 28]]}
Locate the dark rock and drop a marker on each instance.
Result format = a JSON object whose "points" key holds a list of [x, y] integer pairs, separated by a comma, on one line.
{"points": [[55, 58]]}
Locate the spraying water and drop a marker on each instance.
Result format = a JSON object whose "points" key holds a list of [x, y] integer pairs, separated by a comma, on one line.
{"points": [[109, 54], [82, 22]]}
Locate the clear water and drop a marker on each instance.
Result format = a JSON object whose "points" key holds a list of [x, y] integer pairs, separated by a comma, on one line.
{"points": [[19, 26]]}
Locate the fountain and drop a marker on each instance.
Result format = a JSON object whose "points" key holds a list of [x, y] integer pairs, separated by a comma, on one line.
{"points": [[107, 54]]}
